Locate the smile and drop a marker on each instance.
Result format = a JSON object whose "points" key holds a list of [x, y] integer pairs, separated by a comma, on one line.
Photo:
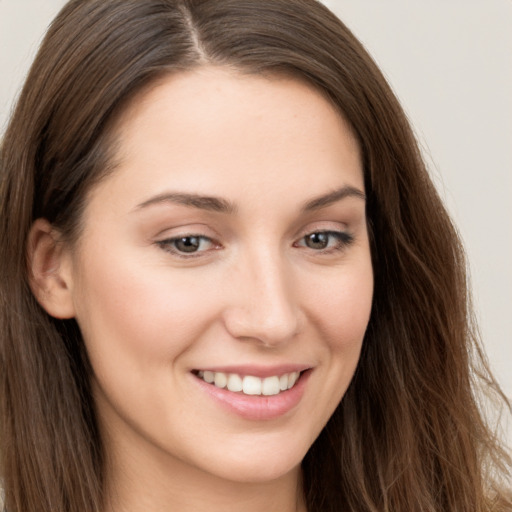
{"points": [[249, 384], [255, 393]]}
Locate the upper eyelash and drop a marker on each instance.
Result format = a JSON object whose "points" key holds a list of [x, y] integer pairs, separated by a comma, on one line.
{"points": [[166, 245], [344, 238]]}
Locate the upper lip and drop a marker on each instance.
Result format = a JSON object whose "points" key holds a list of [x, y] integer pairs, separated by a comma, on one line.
{"points": [[257, 370]]}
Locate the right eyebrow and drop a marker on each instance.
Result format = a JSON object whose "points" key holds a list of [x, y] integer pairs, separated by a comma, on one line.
{"points": [[332, 197], [210, 203]]}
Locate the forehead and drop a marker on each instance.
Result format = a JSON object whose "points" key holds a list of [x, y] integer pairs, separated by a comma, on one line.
{"points": [[216, 131]]}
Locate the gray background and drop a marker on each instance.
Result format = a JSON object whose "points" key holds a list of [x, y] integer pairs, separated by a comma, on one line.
{"points": [[450, 63]]}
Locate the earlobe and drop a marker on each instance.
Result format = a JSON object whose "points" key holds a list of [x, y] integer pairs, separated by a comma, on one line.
{"points": [[49, 270]]}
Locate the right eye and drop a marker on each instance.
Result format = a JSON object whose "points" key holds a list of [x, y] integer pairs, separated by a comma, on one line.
{"points": [[186, 246]]}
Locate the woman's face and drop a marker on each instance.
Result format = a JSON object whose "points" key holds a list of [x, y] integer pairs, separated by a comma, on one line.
{"points": [[230, 244]]}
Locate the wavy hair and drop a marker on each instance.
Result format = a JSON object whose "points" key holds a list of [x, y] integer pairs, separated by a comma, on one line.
{"points": [[409, 435]]}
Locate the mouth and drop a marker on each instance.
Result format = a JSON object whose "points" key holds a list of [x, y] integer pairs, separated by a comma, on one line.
{"points": [[255, 393], [250, 384]]}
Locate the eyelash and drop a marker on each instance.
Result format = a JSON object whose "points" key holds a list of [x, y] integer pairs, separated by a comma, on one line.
{"points": [[342, 238], [169, 245]]}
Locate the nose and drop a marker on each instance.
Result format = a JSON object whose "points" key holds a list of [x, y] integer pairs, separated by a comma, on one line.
{"points": [[264, 305]]}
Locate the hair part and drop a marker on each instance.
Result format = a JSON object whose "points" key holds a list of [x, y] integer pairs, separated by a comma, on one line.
{"points": [[409, 433]]}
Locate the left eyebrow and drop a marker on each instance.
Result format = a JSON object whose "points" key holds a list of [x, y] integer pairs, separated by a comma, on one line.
{"points": [[333, 197], [214, 204]]}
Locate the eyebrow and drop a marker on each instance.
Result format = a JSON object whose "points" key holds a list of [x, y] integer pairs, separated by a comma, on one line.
{"points": [[333, 197], [219, 205], [213, 204]]}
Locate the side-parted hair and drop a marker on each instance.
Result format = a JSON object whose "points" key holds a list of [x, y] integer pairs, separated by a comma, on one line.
{"points": [[409, 435]]}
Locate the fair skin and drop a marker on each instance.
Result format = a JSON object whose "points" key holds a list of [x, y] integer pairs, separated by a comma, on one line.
{"points": [[230, 240]]}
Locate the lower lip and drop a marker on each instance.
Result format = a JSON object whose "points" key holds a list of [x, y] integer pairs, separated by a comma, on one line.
{"points": [[257, 407]]}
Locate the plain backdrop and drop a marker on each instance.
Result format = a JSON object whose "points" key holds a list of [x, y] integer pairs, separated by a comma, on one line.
{"points": [[450, 63]]}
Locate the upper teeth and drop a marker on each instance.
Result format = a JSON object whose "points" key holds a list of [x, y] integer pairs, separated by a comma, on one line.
{"points": [[249, 384]]}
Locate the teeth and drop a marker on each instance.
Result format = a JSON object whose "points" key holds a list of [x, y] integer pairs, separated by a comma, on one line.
{"points": [[235, 382], [221, 379], [249, 384], [292, 379], [252, 385], [270, 386]]}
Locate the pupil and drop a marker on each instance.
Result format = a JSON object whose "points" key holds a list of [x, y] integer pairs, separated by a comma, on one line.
{"points": [[317, 240], [187, 244]]}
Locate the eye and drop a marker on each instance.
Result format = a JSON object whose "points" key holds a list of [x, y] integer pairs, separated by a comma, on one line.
{"points": [[187, 245], [326, 240]]}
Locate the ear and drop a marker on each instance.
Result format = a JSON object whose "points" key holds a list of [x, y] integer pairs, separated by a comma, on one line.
{"points": [[50, 270]]}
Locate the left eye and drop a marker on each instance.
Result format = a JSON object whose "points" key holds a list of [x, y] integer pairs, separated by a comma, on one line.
{"points": [[322, 240], [186, 244]]}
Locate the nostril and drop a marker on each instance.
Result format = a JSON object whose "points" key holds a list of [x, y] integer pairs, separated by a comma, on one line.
{"points": [[269, 330]]}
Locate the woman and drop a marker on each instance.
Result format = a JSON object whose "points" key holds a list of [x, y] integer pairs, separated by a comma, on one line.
{"points": [[228, 280]]}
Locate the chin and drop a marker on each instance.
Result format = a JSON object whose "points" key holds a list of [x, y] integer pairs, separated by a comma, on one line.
{"points": [[261, 473], [258, 466]]}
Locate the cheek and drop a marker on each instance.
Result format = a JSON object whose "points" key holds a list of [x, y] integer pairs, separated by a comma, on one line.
{"points": [[338, 310], [131, 309], [341, 307]]}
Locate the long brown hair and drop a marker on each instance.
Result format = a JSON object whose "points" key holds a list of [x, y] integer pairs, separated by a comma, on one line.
{"points": [[409, 435]]}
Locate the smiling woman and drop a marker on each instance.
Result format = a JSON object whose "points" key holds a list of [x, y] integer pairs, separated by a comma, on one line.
{"points": [[226, 269], [228, 277]]}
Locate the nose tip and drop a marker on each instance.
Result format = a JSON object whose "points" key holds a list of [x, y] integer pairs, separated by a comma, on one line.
{"points": [[269, 329], [265, 309]]}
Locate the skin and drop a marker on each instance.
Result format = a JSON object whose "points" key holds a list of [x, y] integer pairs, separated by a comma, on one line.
{"points": [[254, 293]]}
